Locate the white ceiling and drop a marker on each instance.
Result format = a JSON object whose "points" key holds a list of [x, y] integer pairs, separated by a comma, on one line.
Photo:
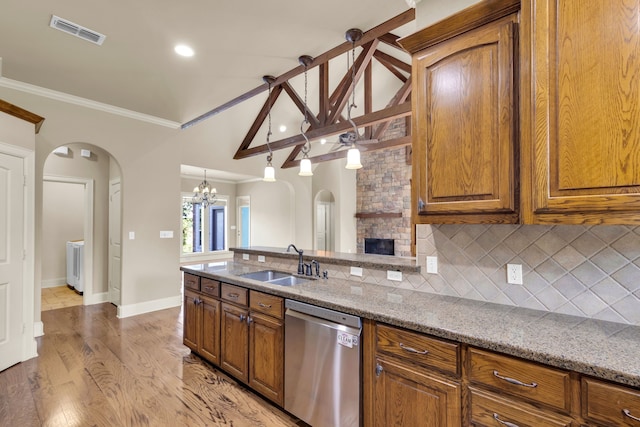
{"points": [[236, 43]]}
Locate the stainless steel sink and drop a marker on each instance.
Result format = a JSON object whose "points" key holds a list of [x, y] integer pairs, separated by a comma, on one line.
{"points": [[265, 275], [289, 281], [275, 277]]}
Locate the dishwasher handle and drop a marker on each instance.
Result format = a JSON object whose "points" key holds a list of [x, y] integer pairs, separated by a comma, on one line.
{"points": [[293, 314]]}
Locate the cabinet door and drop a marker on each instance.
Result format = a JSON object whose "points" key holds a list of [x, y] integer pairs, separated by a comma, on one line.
{"points": [[266, 353], [191, 329], [465, 127], [209, 347], [406, 396], [585, 127], [234, 352]]}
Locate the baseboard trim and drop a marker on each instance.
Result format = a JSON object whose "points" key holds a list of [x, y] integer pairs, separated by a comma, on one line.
{"points": [[38, 329], [148, 306], [98, 298], [54, 283]]}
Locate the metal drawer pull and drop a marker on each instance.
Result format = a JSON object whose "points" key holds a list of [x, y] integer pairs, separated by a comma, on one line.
{"points": [[506, 423], [233, 295], [413, 350], [264, 305], [514, 381], [627, 413], [209, 288]]}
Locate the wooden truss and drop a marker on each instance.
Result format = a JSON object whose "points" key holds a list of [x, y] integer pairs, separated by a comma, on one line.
{"points": [[329, 120]]}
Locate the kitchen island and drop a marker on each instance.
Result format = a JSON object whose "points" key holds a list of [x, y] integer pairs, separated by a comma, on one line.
{"points": [[597, 349]]}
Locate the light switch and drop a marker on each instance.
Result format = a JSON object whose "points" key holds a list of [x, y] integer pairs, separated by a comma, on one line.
{"points": [[166, 234], [132, 235]]}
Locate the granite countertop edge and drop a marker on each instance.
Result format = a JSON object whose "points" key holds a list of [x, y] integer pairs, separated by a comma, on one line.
{"points": [[591, 347]]}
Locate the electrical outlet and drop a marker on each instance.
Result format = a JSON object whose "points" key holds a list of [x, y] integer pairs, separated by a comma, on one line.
{"points": [[245, 257], [432, 264], [356, 271], [514, 274], [261, 258], [396, 276]]}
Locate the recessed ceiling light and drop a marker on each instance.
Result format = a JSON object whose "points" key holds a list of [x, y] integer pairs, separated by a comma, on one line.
{"points": [[183, 50], [283, 128]]}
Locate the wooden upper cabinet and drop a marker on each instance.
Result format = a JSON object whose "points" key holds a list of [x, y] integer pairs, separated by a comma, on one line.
{"points": [[465, 140], [581, 127]]}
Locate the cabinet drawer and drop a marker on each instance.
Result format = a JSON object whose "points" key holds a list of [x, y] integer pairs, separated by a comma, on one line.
{"points": [[210, 286], [610, 404], [488, 409], [234, 294], [267, 304], [418, 348], [529, 380], [191, 281]]}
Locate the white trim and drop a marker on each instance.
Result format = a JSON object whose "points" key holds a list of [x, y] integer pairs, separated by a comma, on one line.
{"points": [[149, 306], [87, 294], [97, 298], [87, 103], [53, 283], [38, 329], [199, 256], [29, 345]]}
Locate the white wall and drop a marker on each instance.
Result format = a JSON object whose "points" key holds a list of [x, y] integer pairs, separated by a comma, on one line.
{"points": [[431, 11], [62, 220]]}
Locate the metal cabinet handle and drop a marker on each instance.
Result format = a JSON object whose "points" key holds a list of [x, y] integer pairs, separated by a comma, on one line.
{"points": [[505, 423], [627, 413], [379, 369], [233, 295], [264, 305], [514, 381], [413, 350], [243, 317], [209, 288], [249, 320]]}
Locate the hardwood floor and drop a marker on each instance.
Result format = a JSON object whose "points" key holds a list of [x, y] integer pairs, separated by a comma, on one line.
{"points": [[97, 370]]}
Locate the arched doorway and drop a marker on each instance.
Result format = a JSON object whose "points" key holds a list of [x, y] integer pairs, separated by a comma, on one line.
{"points": [[77, 205]]}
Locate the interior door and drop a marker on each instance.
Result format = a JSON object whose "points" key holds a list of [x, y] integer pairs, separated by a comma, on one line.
{"points": [[244, 222], [115, 242], [321, 226], [11, 253]]}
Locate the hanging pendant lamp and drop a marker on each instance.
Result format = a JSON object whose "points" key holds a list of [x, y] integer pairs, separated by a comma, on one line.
{"points": [[269, 171], [353, 155], [305, 163]]}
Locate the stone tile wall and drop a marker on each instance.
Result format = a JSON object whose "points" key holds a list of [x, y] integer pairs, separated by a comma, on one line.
{"points": [[384, 185]]}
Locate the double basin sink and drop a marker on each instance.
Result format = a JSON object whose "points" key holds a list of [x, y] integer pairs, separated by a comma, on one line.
{"points": [[276, 277]]}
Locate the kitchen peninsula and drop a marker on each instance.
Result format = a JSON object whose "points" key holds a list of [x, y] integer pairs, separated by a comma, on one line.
{"points": [[583, 350]]}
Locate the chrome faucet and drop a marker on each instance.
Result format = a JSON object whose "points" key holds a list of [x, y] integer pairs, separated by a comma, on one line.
{"points": [[300, 262]]}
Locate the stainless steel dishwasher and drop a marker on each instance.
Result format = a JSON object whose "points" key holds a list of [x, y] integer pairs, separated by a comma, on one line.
{"points": [[322, 365]]}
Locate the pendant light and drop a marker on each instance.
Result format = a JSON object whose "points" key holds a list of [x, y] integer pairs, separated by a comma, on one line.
{"points": [[305, 163], [269, 171], [353, 155]]}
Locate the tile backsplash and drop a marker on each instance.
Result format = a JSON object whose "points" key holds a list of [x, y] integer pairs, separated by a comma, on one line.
{"points": [[588, 271]]}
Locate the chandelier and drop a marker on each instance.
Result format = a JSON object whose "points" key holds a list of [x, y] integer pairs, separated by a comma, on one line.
{"points": [[204, 193]]}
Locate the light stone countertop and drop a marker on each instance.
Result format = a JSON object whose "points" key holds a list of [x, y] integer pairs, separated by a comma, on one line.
{"points": [[602, 349]]}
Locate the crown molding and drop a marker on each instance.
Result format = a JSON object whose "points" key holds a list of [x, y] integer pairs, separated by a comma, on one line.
{"points": [[87, 103]]}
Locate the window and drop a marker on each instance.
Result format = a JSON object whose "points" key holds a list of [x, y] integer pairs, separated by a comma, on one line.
{"points": [[203, 229]]}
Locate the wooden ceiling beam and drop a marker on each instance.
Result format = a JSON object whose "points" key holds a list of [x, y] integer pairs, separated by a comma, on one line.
{"points": [[385, 58], [300, 104], [376, 117], [399, 98], [323, 85], [264, 111], [373, 34]]}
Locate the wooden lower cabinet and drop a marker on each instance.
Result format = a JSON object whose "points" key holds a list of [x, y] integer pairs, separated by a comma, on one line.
{"points": [[405, 395], [253, 347], [489, 409], [202, 325], [266, 356], [234, 356]]}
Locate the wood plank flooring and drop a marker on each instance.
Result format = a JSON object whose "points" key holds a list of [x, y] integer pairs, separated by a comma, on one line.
{"points": [[94, 369]]}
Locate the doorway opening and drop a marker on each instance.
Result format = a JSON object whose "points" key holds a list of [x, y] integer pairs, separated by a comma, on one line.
{"points": [[325, 222]]}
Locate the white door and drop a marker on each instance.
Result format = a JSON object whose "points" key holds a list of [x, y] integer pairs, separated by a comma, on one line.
{"points": [[115, 243], [11, 253], [321, 226]]}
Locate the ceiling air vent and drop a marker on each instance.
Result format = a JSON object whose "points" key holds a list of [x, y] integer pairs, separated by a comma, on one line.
{"points": [[76, 30]]}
